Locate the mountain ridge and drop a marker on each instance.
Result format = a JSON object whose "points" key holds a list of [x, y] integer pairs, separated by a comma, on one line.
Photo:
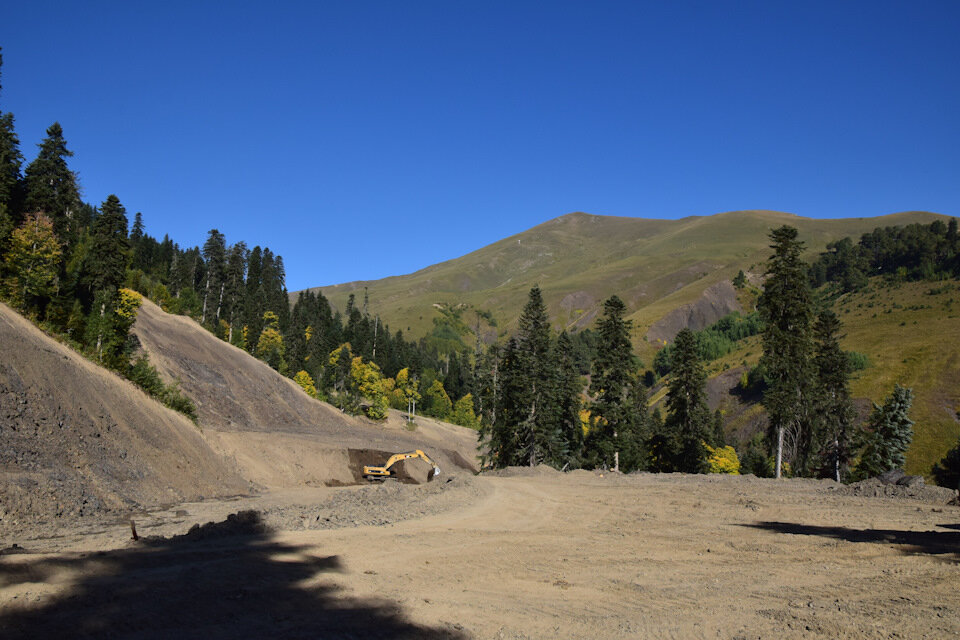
{"points": [[584, 258]]}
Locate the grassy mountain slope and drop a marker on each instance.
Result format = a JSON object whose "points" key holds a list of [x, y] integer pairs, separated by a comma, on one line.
{"points": [[659, 266], [581, 259], [911, 334]]}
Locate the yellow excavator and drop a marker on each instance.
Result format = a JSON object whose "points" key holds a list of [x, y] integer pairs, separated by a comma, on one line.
{"points": [[384, 472]]}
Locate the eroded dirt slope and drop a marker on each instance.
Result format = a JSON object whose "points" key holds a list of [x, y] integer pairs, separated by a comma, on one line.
{"points": [[78, 441], [279, 436]]}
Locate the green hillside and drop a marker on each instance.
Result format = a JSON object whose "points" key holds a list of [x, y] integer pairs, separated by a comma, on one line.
{"points": [[581, 259], [910, 331]]}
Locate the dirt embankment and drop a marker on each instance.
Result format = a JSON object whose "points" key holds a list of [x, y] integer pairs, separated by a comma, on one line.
{"points": [[78, 441], [279, 436], [716, 301]]}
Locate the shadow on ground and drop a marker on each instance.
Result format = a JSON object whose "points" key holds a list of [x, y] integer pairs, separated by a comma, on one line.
{"points": [[938, 543], [224, 580]]}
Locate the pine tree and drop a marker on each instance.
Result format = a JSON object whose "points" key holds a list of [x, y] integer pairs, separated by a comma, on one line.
{"points": [[889, 433], [215, 256], [234, 275], [787, 312], [834, 408], [612, 420], [538, 439], [947, 471], [498, 437], [106, 262], [687, 413], [50, 185], [11, 160], [567, 401]]}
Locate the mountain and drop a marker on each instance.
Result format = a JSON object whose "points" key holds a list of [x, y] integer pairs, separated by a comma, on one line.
{"points": [[676, 273], [580, 259]]}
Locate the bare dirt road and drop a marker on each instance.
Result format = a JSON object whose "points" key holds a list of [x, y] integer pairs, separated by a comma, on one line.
{"points": [[536, 555]]}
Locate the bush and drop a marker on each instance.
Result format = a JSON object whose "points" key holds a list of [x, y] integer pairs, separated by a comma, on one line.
{"points": [[857, 361], [722, 460], [145, 375], [947, 471]]}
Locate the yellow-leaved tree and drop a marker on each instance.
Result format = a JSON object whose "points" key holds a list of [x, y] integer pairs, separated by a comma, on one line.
{"points": [[367, 382], [303, 379], [270, 347], [437, 401], [406, 393], [463, 412], [722, 460], [33, 260]]}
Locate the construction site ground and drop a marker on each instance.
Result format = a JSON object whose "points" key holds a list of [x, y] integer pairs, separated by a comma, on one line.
{"points": [[526, 553]]}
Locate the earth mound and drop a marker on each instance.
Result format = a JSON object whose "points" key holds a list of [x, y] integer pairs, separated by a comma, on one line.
{"points": [[77, 440]]}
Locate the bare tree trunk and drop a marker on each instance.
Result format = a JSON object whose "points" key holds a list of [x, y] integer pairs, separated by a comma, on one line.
{"points": [[206, 293], [836, 458], [376, 324], [103, 309], [779, 450], [219, 303]]}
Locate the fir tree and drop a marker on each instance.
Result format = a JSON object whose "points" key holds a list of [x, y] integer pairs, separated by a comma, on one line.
{"points": [[612, 420], [567, 402], [215, 255], [687, 413], [834, 408], [106, 262], [786, 309], [947, 471], [538, 438], [508, 393], [889, 433], [50, 185]]}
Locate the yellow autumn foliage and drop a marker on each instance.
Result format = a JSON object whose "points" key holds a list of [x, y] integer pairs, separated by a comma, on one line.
{"points": [[723, 460], [303, 379]]}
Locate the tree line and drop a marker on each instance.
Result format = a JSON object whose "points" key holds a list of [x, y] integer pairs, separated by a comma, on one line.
{"points": [[911, 252]]}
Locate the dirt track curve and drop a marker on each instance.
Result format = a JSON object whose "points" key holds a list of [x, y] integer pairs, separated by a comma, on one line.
{"points": [[536, 555]]}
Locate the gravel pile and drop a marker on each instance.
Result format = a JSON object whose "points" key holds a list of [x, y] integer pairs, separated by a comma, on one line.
{"points": [[892, 485], [378, 505]]}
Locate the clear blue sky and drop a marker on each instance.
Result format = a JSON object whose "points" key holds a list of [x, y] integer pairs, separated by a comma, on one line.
{"points": [[367, 139]]}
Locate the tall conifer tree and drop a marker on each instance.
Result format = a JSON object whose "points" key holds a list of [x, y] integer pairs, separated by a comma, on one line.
{"points": [[538, 439], [612, 419], [687, 413], [834, 408], [51, 187], [787, 311], [106, 262]]}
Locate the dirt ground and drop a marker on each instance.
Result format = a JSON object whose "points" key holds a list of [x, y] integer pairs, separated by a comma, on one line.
{"points": [[524, 554]]}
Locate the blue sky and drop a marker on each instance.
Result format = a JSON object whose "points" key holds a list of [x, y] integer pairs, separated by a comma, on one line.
{"points": [[366, 139]]}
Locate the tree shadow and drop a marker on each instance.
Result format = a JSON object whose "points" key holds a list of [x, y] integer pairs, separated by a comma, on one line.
{"points": [[937, 543], [223, 580]]}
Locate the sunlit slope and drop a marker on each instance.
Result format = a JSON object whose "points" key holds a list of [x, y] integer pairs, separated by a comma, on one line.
{"points": [[911, 334], [581, 259]]}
